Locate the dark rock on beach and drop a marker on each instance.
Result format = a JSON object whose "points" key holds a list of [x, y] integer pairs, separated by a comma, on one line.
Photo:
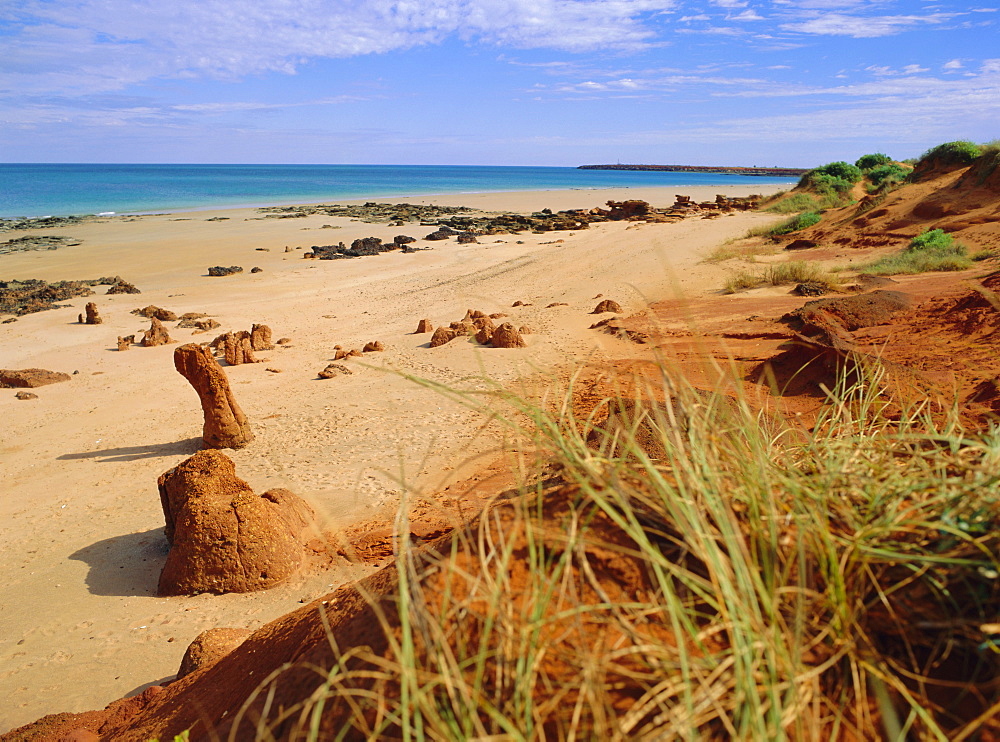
{"points": [[219, 270], [29, 377], [36, 242]]}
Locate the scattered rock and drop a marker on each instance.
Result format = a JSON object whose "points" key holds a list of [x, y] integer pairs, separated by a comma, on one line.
{"points": [[467, 238], [801, 244], [123, 287], [333, 370], [256, 269], [520, 303], [810, 288], [557, 304], [164, 315], [25, 297], [26, 395], [225, 424], [260, 338], [424, 326], [156, 334], [273, 370], [525, 330], [497, 315], [29, 378], [374, 347], [224, 538], [209, 647], [124, 343], [608, 305], [36, 242], [442, 335], [283, 341], [219, 270], [403, 239], [507, 336]]}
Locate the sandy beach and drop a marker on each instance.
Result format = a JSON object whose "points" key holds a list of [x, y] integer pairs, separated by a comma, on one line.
{"points": [[80, 621]]}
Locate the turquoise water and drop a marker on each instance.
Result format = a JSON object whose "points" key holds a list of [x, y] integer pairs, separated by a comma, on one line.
{"points": [[63, 190]]}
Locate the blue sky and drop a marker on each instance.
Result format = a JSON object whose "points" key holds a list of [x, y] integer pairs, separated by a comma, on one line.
{"points": [[493, 82]]}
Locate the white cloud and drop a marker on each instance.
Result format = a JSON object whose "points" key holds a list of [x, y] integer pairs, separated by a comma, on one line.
{"points": [[860, 27], [747, 15], [90, 45], [955, 64]]}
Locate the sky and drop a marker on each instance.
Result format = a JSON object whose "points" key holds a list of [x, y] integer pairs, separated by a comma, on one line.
{"points": [[791, 83]]}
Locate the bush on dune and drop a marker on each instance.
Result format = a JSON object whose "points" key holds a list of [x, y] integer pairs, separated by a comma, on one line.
{"points": [[867, 162], [933, 250], [960, 152]]}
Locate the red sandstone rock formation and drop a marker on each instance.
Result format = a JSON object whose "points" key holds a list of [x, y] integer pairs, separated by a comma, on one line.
{"points": [[424, 326], [507, 336], [608, 305], [26, 395], [223, 537], [92, 317], [124, 343], [260, 338], [374, 347], [209, 647], [442, 335], [156, 334], [29, 377], [485, 329], [225, 424], [237, 348]]}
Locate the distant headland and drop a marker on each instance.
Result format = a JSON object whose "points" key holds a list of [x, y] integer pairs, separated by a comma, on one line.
{"points": [[773, 171]]}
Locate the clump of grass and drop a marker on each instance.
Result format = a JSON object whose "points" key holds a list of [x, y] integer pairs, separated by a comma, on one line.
{"points": [[780, 274], [793, 203], [741, 250], [932, 250], [796, 223], [960, 152], [697, 573]]}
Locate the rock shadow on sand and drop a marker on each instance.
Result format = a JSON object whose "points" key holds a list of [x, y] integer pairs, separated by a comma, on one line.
{"points": [[125, 565], [185, 447]]}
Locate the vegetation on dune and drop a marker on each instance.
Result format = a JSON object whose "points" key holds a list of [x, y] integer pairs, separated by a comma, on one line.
{"points": [[780, 274], [698, 572], [932, 250], [888, 174], [961, 152], [796, 223], [868, 162]]}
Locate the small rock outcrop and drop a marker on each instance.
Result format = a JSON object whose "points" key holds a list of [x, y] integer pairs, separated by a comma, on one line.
{"points": [[92, 316], [123, 287], [26, 395], [156, 334], [225, 424], [164, 315], [507, 336], [29, 378], [424, 326], [220, 270], [224, 538], [373, 347], [209, 647], [256, 269], [260, 338], [608, 305], [237, 348], [334, 370], [124, 343], [442, 335]]}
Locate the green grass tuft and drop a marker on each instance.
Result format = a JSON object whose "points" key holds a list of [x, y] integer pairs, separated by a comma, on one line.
{"points": [[930, 251]]}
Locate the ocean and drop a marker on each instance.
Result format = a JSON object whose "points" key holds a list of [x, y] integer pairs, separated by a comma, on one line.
{"points": [[33, 190]]}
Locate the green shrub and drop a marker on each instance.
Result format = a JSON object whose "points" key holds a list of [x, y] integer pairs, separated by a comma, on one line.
{"points": [[961, 152], [867, 162], [888, 173], [840, 169], [934, 250]]}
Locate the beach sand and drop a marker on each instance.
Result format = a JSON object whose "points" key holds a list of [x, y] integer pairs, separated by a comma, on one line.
{"points": [[80, 518]]}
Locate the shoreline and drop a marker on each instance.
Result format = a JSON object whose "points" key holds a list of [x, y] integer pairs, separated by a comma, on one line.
{"points": [[81, 622]]}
